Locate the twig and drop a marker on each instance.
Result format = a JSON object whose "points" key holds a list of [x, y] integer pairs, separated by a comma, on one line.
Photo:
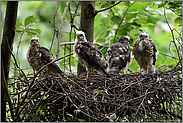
{"points": [[108, 7], [171, 32], [141, 102], [122, 21], [72, 21], [59, 32], [28, 101], [16, 61], [54, 26], [72, 43], [168, 55]]}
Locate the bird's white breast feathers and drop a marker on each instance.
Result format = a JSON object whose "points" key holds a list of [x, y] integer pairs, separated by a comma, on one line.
{"points": [[140, 48]]}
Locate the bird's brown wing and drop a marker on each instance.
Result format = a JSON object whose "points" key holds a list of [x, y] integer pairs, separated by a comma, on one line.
{"points": [[47, 57], [92, 56], [154, 51]]}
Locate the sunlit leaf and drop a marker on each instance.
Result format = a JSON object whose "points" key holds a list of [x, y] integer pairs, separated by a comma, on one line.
{"points": [[29, 20]]}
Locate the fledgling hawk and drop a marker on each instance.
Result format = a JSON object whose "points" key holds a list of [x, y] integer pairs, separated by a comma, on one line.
{"points": [[119, 55], [38, 56], [145, 53], [88, 54]]}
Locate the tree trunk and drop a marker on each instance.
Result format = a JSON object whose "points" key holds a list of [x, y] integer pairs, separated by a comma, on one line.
{"points": [[86, 25], [7, 45]]}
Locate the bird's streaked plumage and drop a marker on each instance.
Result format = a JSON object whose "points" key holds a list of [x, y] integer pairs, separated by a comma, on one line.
{"points": [[145, 53], [38, 56], [88, 54], [119, 55]]}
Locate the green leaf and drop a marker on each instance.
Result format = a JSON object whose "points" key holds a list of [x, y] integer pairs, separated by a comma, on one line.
{"points": [[127, 3], [116, 19], [35, 30], [178, 20], [29, 20], [100, 40], [150, 24], [18, 24], [179, 11], [140, 21], [81, 120], [131, 15], [19, 27], [69, 114], [160, 5]]}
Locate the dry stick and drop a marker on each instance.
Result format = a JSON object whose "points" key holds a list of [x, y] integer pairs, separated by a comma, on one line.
{"points": [[27, 102], [59, 32], [141, 102], [171, 32], [16, 111], [54, 26], [122, 21], [73, 102]]}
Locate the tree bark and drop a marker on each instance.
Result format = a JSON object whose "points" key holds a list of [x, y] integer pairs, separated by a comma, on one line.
{"points": [[7, 45], [86, 25]]}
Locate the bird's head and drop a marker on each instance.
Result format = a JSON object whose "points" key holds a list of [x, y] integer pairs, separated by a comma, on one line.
{"points": [[124, 39], [143, 35], [34, 41], [81, 36]]}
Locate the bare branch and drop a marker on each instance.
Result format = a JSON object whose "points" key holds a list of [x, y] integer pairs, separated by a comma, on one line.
{"points": [[54, 26], [59, 32], [72, 43], [171, 32]]}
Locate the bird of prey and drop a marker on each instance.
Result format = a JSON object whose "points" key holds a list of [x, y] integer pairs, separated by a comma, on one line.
{"points": [[119, 55], [145, 53], [38, 56], [88, 54]]}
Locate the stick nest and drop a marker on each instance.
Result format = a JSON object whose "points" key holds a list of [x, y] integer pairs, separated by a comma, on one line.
{"points": [[149, 97]]}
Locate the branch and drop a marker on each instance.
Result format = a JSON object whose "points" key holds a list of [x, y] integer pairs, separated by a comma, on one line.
{"points": [[72, 43], [171, 32], [122, 21], [108, 7], [16, 64], [54, 26], [59, 32], [168, 55]]}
